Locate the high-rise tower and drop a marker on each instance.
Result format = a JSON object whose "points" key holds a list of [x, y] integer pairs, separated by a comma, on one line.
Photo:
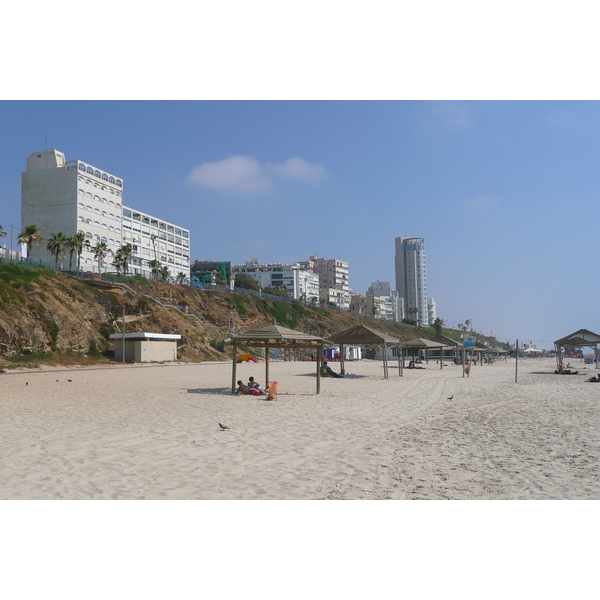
{"points": [[411, 280]]}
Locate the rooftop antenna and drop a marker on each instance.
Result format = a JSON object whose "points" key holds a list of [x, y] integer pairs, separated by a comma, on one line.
{"points": [[46, 142]]}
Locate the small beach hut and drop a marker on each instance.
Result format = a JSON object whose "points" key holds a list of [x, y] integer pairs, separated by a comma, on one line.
{"points": [[361, 334], [145, 347], [582, 338], [275, 336]]}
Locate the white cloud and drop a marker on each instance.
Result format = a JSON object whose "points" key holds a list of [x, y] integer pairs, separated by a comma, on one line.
{"points": [[297, 168], [247, 175], [236, 173]]}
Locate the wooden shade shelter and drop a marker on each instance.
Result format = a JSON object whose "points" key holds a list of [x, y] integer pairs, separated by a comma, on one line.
{"points": [[579, 339], [359, 335], [275, 336], [448, 343], [422, 344]]}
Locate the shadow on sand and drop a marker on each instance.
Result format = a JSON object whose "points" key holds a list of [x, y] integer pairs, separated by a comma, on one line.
{"points": [[212, 391], [347, 376]]}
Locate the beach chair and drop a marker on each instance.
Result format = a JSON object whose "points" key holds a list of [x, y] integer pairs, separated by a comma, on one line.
{"points": [[272, 391]]}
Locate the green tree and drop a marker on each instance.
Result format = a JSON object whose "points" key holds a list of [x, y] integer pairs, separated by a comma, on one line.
{"points": [[56, 244], [117, 262], [76, 243], [164, 273], [100, 252], [2, 232], [181, 277], [438, 325], [154, 266], [125, 254], [246, 282], [30, 235]]}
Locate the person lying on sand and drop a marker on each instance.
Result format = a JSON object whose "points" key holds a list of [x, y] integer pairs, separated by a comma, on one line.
{"points": [[242, 389], [328, 372], [593, 379]]}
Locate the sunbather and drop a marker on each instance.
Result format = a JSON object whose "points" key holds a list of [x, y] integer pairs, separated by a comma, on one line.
{"points": [[242, 389], [254, 388], [327, 371]]}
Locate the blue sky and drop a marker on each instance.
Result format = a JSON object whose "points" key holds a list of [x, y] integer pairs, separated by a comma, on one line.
{"points": [[505, 193]]}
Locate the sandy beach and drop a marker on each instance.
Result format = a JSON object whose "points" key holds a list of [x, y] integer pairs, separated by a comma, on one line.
{"points": [[151, 432]]}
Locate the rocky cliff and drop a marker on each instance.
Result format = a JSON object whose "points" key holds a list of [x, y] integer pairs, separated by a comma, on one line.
{"points": [[42, 311]]}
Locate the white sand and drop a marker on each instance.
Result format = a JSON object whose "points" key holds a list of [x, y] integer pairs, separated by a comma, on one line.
{"points": [[151, 432]]}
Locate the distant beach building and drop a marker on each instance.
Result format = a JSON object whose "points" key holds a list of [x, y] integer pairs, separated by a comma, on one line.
{"points": [[333, 279], [74, 197], [393, 304], [369, 306], [411, 279], [431, 310], [300, 283]]}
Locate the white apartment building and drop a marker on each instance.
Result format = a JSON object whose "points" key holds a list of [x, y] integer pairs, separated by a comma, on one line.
{"points": [[73, 196], [153, 239], [333, 280], [411, 279], [393, 304], [300, 284]]}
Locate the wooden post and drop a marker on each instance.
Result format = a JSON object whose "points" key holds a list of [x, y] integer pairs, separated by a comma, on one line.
{"points": [[233, 382], [400, 361], [517, 361], [342, 368], [385, 371], [267, 364], [319, 355]]}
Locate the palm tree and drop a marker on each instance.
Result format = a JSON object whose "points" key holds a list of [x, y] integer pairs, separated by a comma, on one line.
{"points": [[438, 325], [2, 232], [118, 261], [155, 266], [125, 253], [79, 243], [56, 244], [181, 277], [76, 243], [100, 251], [164, 272], [30, 235]]}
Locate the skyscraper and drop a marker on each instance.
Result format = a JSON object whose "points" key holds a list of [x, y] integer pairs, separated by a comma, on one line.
{"points": [[411, 280]]}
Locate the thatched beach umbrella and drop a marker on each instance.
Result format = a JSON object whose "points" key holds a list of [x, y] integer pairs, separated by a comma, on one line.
{"points": [[361, 334], [275, 336], [423, 344]]}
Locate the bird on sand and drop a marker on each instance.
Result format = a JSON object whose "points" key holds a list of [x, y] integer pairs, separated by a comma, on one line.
{"points": [[70, 380], [27, 383], [450, 397], [224, 427]]}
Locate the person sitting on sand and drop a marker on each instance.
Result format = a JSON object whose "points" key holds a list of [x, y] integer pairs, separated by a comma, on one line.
{"points": [[254, 388], [328, 372], [411, 365]]}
